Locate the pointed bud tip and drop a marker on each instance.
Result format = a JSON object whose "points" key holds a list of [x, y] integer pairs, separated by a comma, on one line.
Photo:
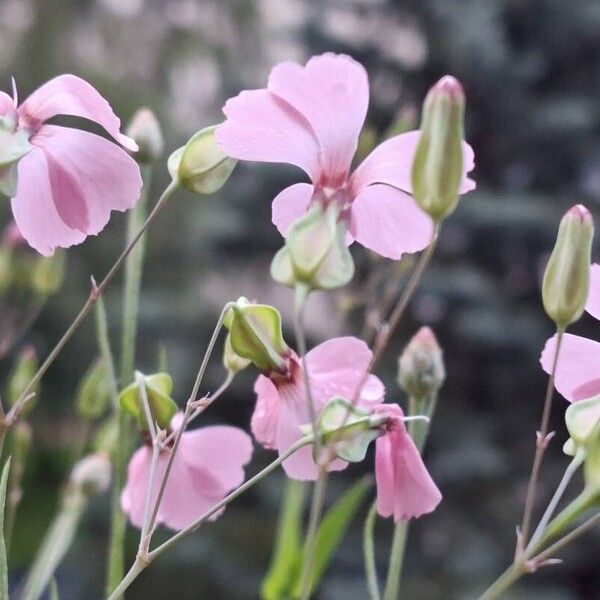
{"points": [[580, 212], [450, 86], [145, 129]]}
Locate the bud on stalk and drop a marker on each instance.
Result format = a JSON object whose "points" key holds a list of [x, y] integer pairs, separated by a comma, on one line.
{"points": [[567, 277], [145, 129], [438, 162]]}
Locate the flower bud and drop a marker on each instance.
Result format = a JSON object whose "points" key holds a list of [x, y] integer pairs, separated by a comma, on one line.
{"points": [[158, 389], [93, 395], [438, 162], [48, 274], [92, 474], [233, 362], [580, 418], [421, 371], [201, 166], [145, 130], [315, 254], [255, 334], [22, 373], [567, 277]]}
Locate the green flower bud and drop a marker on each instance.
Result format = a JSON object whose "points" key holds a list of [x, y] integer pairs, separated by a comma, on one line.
{"points": [[22, 373], [421, 371], [106, 438], [145, 129], [233, 362], [158, 389], [315, 253], [255, 334], [567, 277], [201, 166], [438, 162], [92, 474], [48, 274], [93, 395]]}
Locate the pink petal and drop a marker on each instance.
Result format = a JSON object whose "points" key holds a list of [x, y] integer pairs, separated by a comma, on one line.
{"points": [[290, 204], [71, 95], [88, 177], [389, 222], [332, 93], [391, 163], [384, 475], [265, 418], [593, 301], [577, 375], [134, 492], [6, 104], [262, 127], [34, 210]]}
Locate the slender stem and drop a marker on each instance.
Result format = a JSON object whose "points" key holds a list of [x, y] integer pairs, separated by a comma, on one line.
{"points": [[560, 490], [542, 443], [506, 580], [136, 568], [369, 553], [97, 290], [308, 559], [392, 584]]}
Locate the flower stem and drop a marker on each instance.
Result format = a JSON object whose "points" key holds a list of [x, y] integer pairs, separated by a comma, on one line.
{"points": [[392, 584], [369, 553], [542, 443]]}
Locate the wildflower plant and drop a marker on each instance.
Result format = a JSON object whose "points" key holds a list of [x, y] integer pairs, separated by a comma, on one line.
{"points": [[320, 409]]}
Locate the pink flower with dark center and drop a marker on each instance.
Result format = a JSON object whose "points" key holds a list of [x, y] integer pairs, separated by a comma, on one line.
{"points": [[208, 465], [336, 368], [405, 489], [578, 368], [70, 180], [311, 117]]}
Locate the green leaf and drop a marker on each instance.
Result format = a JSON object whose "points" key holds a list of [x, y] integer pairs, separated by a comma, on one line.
{"points": [[287, 556], [333, 528], [3, 558]]}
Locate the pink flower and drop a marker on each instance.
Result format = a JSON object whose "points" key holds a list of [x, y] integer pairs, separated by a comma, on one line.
{"points": [[336, 368], [311, 117], [405, 489], [70, 180], [207, 466], [578, 372]]}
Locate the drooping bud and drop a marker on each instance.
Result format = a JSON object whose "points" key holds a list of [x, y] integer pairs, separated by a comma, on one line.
{"points": [[315, 253], [201, 166], [93, 395], [92, 474], [22, 373], [232, 361], [48, 274], [255, 334], [567, 276], [145, 130], [157, 388], [438, 162], [421, 371]]}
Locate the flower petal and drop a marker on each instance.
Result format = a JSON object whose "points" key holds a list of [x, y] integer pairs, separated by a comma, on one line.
{"points": [[332, 93], [6, 104], [391, 163], [577, 375], [389, 222], [265, 418], [290, 204], [71, 95], [593, 301], [262, 127]]}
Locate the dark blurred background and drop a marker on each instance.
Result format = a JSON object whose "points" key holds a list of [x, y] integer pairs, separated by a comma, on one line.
{"points": [[531, 71]]}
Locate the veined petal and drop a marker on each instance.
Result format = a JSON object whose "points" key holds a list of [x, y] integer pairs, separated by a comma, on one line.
{"points": [[332, 93], [262, 127], [265, 418], [71, 95], [6, 104], [389, 222], [391, 163], [593, 301], [290, 204]]}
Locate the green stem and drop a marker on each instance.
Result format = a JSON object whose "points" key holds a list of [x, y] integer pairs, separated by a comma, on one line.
{"points": [[505, 581], [392, 584], [369, 553]]}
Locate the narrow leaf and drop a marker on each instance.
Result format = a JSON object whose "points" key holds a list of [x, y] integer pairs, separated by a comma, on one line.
{"points": [[3, 558]]}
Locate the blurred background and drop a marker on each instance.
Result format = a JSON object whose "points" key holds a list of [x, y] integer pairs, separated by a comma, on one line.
{"points": [[531, 71]]}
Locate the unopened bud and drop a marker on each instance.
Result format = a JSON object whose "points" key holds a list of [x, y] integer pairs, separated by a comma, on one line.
{"points": [[438, 162], [22, 373], [21, 434], [201, 166], [567, 276], [232, 361], [93, 395], [255, 334], [421, 371], [48, 273], [145, 130], [92, 474]]}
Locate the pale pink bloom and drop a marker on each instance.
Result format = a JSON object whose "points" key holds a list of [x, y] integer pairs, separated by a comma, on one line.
{"points": [[311, 117], [71, 180], [578, 368], [208, 465], [405, 489], [336, 368]]}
